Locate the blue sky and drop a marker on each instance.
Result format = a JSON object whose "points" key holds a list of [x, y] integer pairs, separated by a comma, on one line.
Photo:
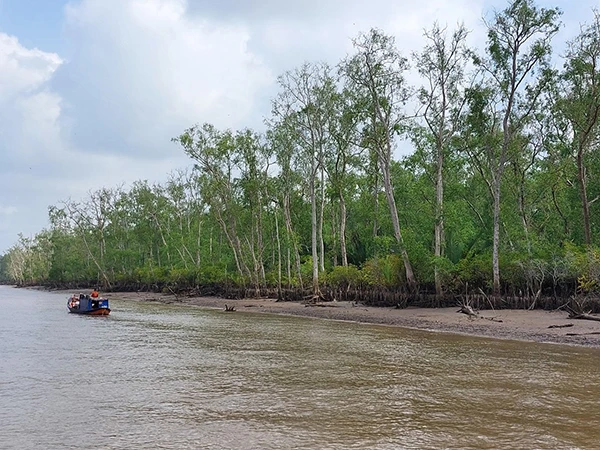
{"points": [[92, 91], [37, 23]]}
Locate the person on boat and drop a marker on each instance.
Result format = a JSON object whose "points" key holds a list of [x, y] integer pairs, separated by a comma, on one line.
{"points": [[74, 301], [95, 293]]}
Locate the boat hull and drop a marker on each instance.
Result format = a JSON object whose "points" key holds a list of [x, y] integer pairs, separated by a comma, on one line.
{"points": [[92, 312]]}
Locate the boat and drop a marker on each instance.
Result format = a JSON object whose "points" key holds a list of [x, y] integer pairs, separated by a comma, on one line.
{"points": [[84, 304]]}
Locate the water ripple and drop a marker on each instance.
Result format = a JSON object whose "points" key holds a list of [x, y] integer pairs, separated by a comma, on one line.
{"points": [[164, 377]]}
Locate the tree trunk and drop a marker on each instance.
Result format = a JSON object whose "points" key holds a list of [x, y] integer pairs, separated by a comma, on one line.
{"points": [[375, 200], [522, 212], [439, 215], [235, 245], [260, 243], [583, 193], [496, 237], [291, 237], [278, 257], [389, 193], [321, 220], [315, 255], [497, 182], [343, 219], [289, 268]]}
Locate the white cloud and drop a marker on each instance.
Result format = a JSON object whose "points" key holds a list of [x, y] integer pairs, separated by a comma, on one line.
{"points": [[23, 70], [29, 113], [151, 70], [327, 35], [28, 110], [7, 210]]}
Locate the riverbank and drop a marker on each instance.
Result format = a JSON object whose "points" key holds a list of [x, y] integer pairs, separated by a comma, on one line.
{"points": [[534, 326]]}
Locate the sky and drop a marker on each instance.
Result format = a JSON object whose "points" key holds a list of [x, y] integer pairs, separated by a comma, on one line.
{"points": [[92, 91]]}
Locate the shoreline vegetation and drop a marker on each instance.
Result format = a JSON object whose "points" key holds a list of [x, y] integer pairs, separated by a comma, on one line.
{"points": [[537, 325]]}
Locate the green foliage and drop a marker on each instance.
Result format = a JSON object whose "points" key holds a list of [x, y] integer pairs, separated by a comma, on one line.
{"points": [[4, 274], [583, 264], [345, 277], [151, 275], [473, 272], [446, 270], [387, 271]]}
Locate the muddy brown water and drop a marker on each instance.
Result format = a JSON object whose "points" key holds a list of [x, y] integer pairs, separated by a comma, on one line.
{"points": [[167, 377]]}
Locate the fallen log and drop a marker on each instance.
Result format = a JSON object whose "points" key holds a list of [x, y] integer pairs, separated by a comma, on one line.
{"points": [[583, 316], [493, 319], [561, 326], [321, 305], [582, 334]]}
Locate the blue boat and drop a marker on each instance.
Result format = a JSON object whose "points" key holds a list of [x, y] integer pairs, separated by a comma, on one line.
{"points": [[84, 304]]}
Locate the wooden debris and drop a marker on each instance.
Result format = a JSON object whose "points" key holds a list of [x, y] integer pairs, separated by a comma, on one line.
{"points": [[582, 334], [583, 316], [466, 309], [576, 311], [493, 319], [566, 325], [322, 305]]}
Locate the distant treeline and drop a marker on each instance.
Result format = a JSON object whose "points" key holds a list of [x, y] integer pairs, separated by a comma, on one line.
{"points": [[496, 199]]}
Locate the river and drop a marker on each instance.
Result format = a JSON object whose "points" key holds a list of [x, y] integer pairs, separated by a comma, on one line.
{"points": [[166, 377]]}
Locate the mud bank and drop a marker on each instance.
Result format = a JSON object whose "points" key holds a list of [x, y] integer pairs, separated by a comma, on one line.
{"points": [[534, 326]]}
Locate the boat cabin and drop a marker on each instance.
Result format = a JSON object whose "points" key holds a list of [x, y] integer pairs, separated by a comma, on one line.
{"points": [[84, 304]]}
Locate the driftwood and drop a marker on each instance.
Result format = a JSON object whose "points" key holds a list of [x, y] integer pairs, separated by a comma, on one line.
{"points": [[229, 308], [322, 305], [493, 319], [465, 308], [566, 325], [576, 311], [583, 316], [582, 334]]}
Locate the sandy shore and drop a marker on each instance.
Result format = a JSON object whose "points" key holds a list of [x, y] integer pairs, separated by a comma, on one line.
{"points": [[534, 326]]}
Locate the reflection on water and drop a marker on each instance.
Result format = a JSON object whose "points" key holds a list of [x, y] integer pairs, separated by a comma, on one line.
{"points": [[162, 376]]}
